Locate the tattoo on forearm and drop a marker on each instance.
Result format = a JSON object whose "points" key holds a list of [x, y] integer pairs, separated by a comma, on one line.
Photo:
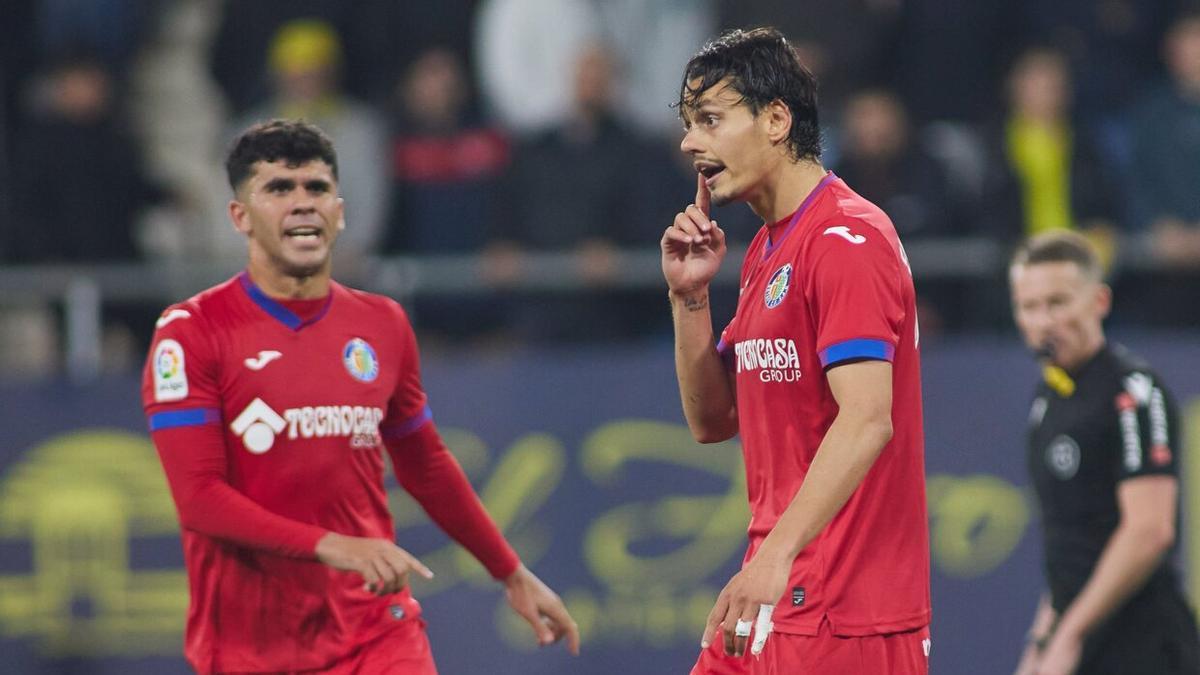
{"points": [[695, 303]]}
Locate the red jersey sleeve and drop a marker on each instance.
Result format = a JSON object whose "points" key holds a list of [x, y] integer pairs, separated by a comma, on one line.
{"points": [[854, 287], [408, 408], [181, 398], [428, 471]]}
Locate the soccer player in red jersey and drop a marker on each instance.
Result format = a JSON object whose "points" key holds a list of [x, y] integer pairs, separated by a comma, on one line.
{"points": [[818, 371], [271, 398]]}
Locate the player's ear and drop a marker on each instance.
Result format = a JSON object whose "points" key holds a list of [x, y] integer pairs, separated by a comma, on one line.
{"points": [[341, 206], [778, 120], [240, 216], [1103, 300]]}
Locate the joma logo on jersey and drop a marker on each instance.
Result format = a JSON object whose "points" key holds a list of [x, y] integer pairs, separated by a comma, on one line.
{"points": [[776, 360], [259, 424]]}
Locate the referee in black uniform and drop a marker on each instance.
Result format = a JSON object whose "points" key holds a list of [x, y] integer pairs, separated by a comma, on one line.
{"points": [[1103, 456]]}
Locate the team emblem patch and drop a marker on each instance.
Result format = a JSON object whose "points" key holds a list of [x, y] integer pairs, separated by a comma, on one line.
{"points": [[777, 287], [360, 360], [1062, 457], [170, 375]]}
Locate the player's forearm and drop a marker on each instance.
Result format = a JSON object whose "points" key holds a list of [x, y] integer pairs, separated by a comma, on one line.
{"points": [[428, 472], [847, 452], [194, 461], [704, 381], [1043, 619], [1129, 558], [219, 511]]}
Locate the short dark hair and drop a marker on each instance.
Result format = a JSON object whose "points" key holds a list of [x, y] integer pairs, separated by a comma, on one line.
{"points": [[293, 141], [763, 68], [1060, 246]]}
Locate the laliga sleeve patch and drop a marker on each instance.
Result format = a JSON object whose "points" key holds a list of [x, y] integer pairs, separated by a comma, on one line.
{"points": [[170, 376]]}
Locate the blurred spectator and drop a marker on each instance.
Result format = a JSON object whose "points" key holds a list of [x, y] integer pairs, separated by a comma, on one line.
{"points": [[572, 188], [881, 160], [445, 168], [1166, 163], [946, 57], [445, 161], [653, 41], [81, 191], [1047, 172], [525, 53], [80, 187], [111, 29], [1110, 46], [305, 58], [388, 36], [843, 43], [1166, 152], [380, 38]]}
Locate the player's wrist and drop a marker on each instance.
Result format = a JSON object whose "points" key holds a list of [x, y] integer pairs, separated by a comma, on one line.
{"points": [[689, 298]]}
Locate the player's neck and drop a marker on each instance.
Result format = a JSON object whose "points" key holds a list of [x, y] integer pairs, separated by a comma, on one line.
{"points": [[785, 189], [276, 284]]}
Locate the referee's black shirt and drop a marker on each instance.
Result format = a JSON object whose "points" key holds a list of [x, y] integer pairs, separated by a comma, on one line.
{"points": [[1119, 422]]}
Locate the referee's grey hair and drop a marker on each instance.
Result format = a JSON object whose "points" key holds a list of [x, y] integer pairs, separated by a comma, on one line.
{"points": [[1060, 246]]}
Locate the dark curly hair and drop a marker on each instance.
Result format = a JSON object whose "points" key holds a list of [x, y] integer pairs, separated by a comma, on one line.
{"points": [[293, 141], [762, 67]]}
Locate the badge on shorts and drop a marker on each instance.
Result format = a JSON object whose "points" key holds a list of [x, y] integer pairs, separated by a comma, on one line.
{"points": [[797, 596], [777, 287], [396, 611]]}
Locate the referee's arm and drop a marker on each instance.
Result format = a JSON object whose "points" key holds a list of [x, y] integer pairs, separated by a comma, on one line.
{"points": [[1144, 534]]}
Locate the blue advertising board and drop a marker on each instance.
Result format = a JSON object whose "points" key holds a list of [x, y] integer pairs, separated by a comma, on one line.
{"points": [[582, 457]]}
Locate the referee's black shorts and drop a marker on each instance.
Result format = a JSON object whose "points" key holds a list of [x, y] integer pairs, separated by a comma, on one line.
{"points": [[1154, 635]]}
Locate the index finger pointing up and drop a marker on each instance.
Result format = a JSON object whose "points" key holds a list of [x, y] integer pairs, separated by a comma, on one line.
{"points": [[703, 198]]}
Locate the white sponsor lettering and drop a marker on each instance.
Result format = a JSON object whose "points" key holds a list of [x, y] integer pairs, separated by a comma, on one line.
{"points": [[843, 231], [775, 359], [1130, 438], [259, 424], [1158, 419], [359, 422]]}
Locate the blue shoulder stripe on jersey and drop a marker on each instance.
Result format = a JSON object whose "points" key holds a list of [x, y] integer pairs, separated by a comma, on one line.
{"points": [[725, 351], [191, 417], [406, 427], [859, 348], [283, 314]]}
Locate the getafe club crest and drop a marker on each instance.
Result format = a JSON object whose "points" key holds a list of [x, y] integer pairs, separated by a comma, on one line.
{"points": [[777, 287], [360, 360]]}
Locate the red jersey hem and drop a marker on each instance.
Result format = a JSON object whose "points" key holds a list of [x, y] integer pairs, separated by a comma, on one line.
{"points": [[840, 628]]}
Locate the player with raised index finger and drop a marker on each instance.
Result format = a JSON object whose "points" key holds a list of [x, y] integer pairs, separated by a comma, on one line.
{"points": [[818, 371]]}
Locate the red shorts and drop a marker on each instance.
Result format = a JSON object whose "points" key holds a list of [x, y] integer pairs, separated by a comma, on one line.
{"points": [[403, 650], [787, 654]]}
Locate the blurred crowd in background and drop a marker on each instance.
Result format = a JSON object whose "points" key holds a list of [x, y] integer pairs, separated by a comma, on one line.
{"points": [[496, 128]]}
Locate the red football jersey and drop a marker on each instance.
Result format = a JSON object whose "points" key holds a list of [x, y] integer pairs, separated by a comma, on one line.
{"points": [[826, 286], [302, 407]]}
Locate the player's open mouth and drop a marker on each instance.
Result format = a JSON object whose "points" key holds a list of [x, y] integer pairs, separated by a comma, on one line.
{"points": [[709, 171], [305, 233]]}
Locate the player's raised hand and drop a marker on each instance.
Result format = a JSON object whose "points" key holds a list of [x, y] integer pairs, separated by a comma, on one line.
{"points": [[382, 564], [693, 246], [542, 608]]}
